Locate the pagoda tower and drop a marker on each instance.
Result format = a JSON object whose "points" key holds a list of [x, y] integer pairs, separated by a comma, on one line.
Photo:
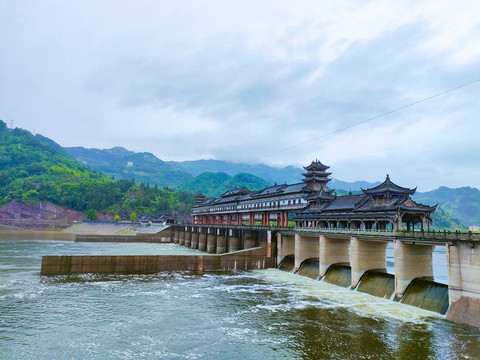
{"points": [[200, 198], [316, 177]]}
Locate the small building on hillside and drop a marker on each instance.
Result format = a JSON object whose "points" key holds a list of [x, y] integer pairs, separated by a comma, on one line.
{"points": [[312, 204]]}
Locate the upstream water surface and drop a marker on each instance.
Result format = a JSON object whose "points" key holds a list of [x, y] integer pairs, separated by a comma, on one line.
{"points": [[267, 314]]}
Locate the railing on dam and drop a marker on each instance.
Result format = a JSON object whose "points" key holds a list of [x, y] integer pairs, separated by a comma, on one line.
{"points": [[426, 236]]}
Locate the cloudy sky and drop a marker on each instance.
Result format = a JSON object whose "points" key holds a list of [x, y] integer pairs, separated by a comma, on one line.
{"points": [[248, 81]]}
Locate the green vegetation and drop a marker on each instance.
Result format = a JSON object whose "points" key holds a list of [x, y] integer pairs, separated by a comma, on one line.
{"points": [[444, 221], [33, 169], [117, 218], [133, 216], [462, 203], [92, 214]]}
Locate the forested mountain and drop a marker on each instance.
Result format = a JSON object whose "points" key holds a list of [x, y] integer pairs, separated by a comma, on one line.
{"points": [[215, 184], [32, 168], [289, 174], [121, 163], [462, 203]]}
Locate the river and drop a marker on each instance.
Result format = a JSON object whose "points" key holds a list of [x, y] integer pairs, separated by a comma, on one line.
{"points": [[266, 314]]}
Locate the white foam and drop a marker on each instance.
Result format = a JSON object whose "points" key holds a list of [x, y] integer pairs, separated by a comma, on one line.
{"points": [[333, 296]]}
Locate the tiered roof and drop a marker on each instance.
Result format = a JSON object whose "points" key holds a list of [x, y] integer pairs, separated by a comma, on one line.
{"points": [[316, 177], [388, 187]]}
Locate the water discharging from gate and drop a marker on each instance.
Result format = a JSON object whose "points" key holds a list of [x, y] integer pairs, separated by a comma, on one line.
{"points": [[423, 293], [287, 264], [427, 294], [338, 274], [377, 283], [309, 268]]}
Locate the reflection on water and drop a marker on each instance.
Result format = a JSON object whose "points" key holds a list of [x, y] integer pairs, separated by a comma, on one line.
{"points": [[265, 314]]}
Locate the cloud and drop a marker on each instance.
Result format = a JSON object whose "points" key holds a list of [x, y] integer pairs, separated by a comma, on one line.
{"points": [[245, 80]]}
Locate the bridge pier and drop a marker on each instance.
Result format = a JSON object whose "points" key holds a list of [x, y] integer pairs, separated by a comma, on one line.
{"points": [[332, 251], [188, 237], [194, 240], [221, 241], [366, 255], [305, 247], [411, 261], [248, 239], [181, 237], [233, 241], [285, 246], [211, 241], [202, 240], [463, 261]]}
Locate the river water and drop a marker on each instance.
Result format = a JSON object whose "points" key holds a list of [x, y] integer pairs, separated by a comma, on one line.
{"points": [[266, 314]]}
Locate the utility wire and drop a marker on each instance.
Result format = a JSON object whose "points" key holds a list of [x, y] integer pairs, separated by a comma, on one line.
{"points": [[371, 119]]}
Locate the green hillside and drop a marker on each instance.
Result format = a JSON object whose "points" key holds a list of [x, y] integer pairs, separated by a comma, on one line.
{"points": [[121, 163], [462, 203], [33, 169], [215, 184]]}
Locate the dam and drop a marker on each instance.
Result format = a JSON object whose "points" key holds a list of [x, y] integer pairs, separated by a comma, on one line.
{"points": [[353, 259], [356, 259]]}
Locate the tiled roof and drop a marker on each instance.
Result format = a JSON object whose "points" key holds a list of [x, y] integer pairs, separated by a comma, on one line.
{"points": [[388, 187]]}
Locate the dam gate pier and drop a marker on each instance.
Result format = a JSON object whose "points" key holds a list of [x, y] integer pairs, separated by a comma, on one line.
{"points": [[362, 254]]}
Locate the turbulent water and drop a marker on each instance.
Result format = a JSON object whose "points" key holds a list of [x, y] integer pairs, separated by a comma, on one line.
{"points": [[267, 314]]}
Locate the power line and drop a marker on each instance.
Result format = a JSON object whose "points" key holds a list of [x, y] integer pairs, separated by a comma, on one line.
{"points": [[371, 119]]}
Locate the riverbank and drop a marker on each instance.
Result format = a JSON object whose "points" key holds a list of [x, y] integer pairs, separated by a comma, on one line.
{"points": [[82, 230]]}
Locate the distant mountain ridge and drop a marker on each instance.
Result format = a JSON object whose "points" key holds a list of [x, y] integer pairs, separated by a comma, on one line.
{"points": [[121, 163], [288, 174]]}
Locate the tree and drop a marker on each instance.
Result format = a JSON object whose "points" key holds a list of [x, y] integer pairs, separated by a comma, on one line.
{"points": [[30, 197], [133, 216], [92, 214], [117, 218]]}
